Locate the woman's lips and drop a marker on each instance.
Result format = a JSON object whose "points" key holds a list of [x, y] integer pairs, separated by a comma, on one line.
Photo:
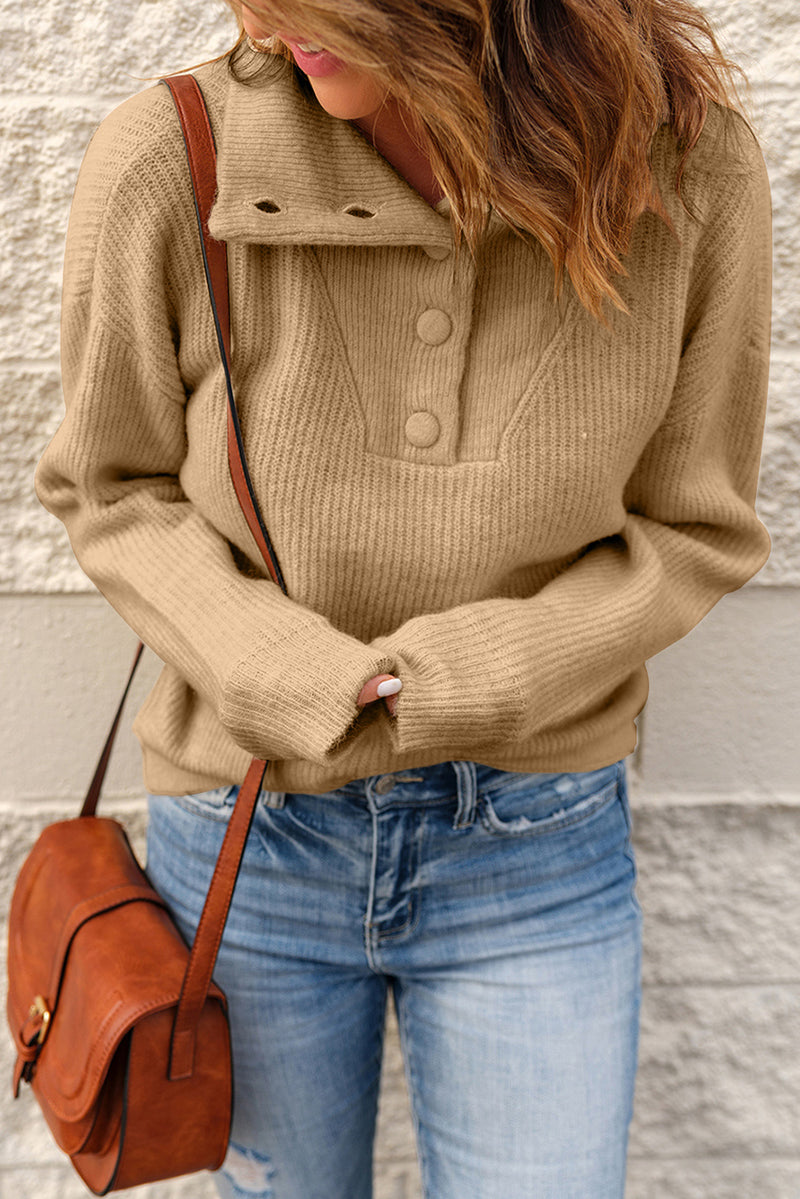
{"points": [[316, 64]]}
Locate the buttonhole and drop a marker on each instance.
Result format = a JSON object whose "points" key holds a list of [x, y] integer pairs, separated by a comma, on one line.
{"points": [[268, 206], [355, 210]]}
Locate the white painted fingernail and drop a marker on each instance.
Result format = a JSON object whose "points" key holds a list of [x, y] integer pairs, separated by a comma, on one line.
{"points": [[389, 687]]}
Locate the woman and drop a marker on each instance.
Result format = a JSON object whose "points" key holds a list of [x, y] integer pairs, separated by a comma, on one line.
{"points": [[497, 480]]}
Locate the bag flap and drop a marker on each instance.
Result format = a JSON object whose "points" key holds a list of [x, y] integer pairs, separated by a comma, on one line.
{"points": [[118, 965]]}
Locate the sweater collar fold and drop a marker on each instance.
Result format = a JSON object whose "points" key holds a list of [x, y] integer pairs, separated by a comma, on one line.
{"points": [[288, 171]]}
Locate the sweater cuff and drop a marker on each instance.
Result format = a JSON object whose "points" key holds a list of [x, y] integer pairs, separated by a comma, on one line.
{"points": [[294, 696], [459, 694]]}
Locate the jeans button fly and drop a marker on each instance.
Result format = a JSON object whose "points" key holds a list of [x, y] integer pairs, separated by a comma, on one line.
{"points": [[384, 785]]}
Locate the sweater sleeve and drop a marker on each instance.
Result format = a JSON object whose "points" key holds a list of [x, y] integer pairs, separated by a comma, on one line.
{"points": [[282, 679], [526, 670]]}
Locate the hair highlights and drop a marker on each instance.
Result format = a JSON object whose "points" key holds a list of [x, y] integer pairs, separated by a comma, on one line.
{"points": [[544, 109]]}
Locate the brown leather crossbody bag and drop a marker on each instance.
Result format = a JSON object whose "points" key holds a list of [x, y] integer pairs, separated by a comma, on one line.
{"points": [[117, 1024]]}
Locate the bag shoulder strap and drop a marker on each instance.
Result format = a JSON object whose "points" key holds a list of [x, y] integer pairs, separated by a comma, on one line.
{"points": [[202, 155], [93, 794]]}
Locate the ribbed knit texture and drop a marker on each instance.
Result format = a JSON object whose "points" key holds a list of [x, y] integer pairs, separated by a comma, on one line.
{"points": [[467, 483]]}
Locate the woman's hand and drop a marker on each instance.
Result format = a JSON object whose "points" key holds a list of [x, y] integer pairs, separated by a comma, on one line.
{"points": [[380, 686]]}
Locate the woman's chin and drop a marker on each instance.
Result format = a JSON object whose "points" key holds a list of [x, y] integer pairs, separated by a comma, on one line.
{"points": [[347, 98]]}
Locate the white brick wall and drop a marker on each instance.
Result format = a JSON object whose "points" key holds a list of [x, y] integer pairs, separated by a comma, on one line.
{"points": [[716, 797]]}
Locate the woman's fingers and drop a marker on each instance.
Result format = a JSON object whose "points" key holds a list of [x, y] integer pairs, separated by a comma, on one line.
{"points": [[380, 686]]}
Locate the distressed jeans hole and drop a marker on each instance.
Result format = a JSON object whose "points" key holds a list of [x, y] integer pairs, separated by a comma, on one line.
{"points": [[248, 1172]]}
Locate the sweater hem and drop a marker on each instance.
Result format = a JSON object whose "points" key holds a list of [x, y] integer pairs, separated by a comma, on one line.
{"points": [[302, 777]]}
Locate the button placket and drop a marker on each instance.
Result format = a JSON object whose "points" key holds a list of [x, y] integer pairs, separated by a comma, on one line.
{"points": [[430, 430], [422, 429]]}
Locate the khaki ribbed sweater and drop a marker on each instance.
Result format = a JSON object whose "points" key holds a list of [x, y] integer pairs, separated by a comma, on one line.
{"points": [[467, 484]]}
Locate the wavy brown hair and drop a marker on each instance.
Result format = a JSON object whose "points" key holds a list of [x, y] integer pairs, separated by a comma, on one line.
{"points": [[544, 109]]}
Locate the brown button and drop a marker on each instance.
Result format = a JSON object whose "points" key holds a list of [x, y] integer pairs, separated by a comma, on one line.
{"points": [[384, 785], [437, 252], [422, 429], [434, 326]]}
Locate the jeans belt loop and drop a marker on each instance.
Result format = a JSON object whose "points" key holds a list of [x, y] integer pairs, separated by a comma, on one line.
{"points": [[273, 799], [467, 777]]}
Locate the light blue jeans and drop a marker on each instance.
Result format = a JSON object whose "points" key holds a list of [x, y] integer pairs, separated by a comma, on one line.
{"points": [[500, 911]]}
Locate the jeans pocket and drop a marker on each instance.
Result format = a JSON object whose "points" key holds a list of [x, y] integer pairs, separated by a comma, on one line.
{"points": [[550, 803]]}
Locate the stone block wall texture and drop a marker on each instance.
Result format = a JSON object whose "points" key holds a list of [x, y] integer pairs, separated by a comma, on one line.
{"points": [[716, 796]]}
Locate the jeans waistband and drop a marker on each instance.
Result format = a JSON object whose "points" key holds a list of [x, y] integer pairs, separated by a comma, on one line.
{"points": [[442, 781], [462, 780]]}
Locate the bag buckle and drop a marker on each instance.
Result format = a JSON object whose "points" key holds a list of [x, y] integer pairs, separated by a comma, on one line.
{"points": [[39, 1012], [32, 1037]]}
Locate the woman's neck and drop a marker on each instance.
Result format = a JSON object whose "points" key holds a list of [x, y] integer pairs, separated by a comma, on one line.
{"points": [[388, 132]]}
